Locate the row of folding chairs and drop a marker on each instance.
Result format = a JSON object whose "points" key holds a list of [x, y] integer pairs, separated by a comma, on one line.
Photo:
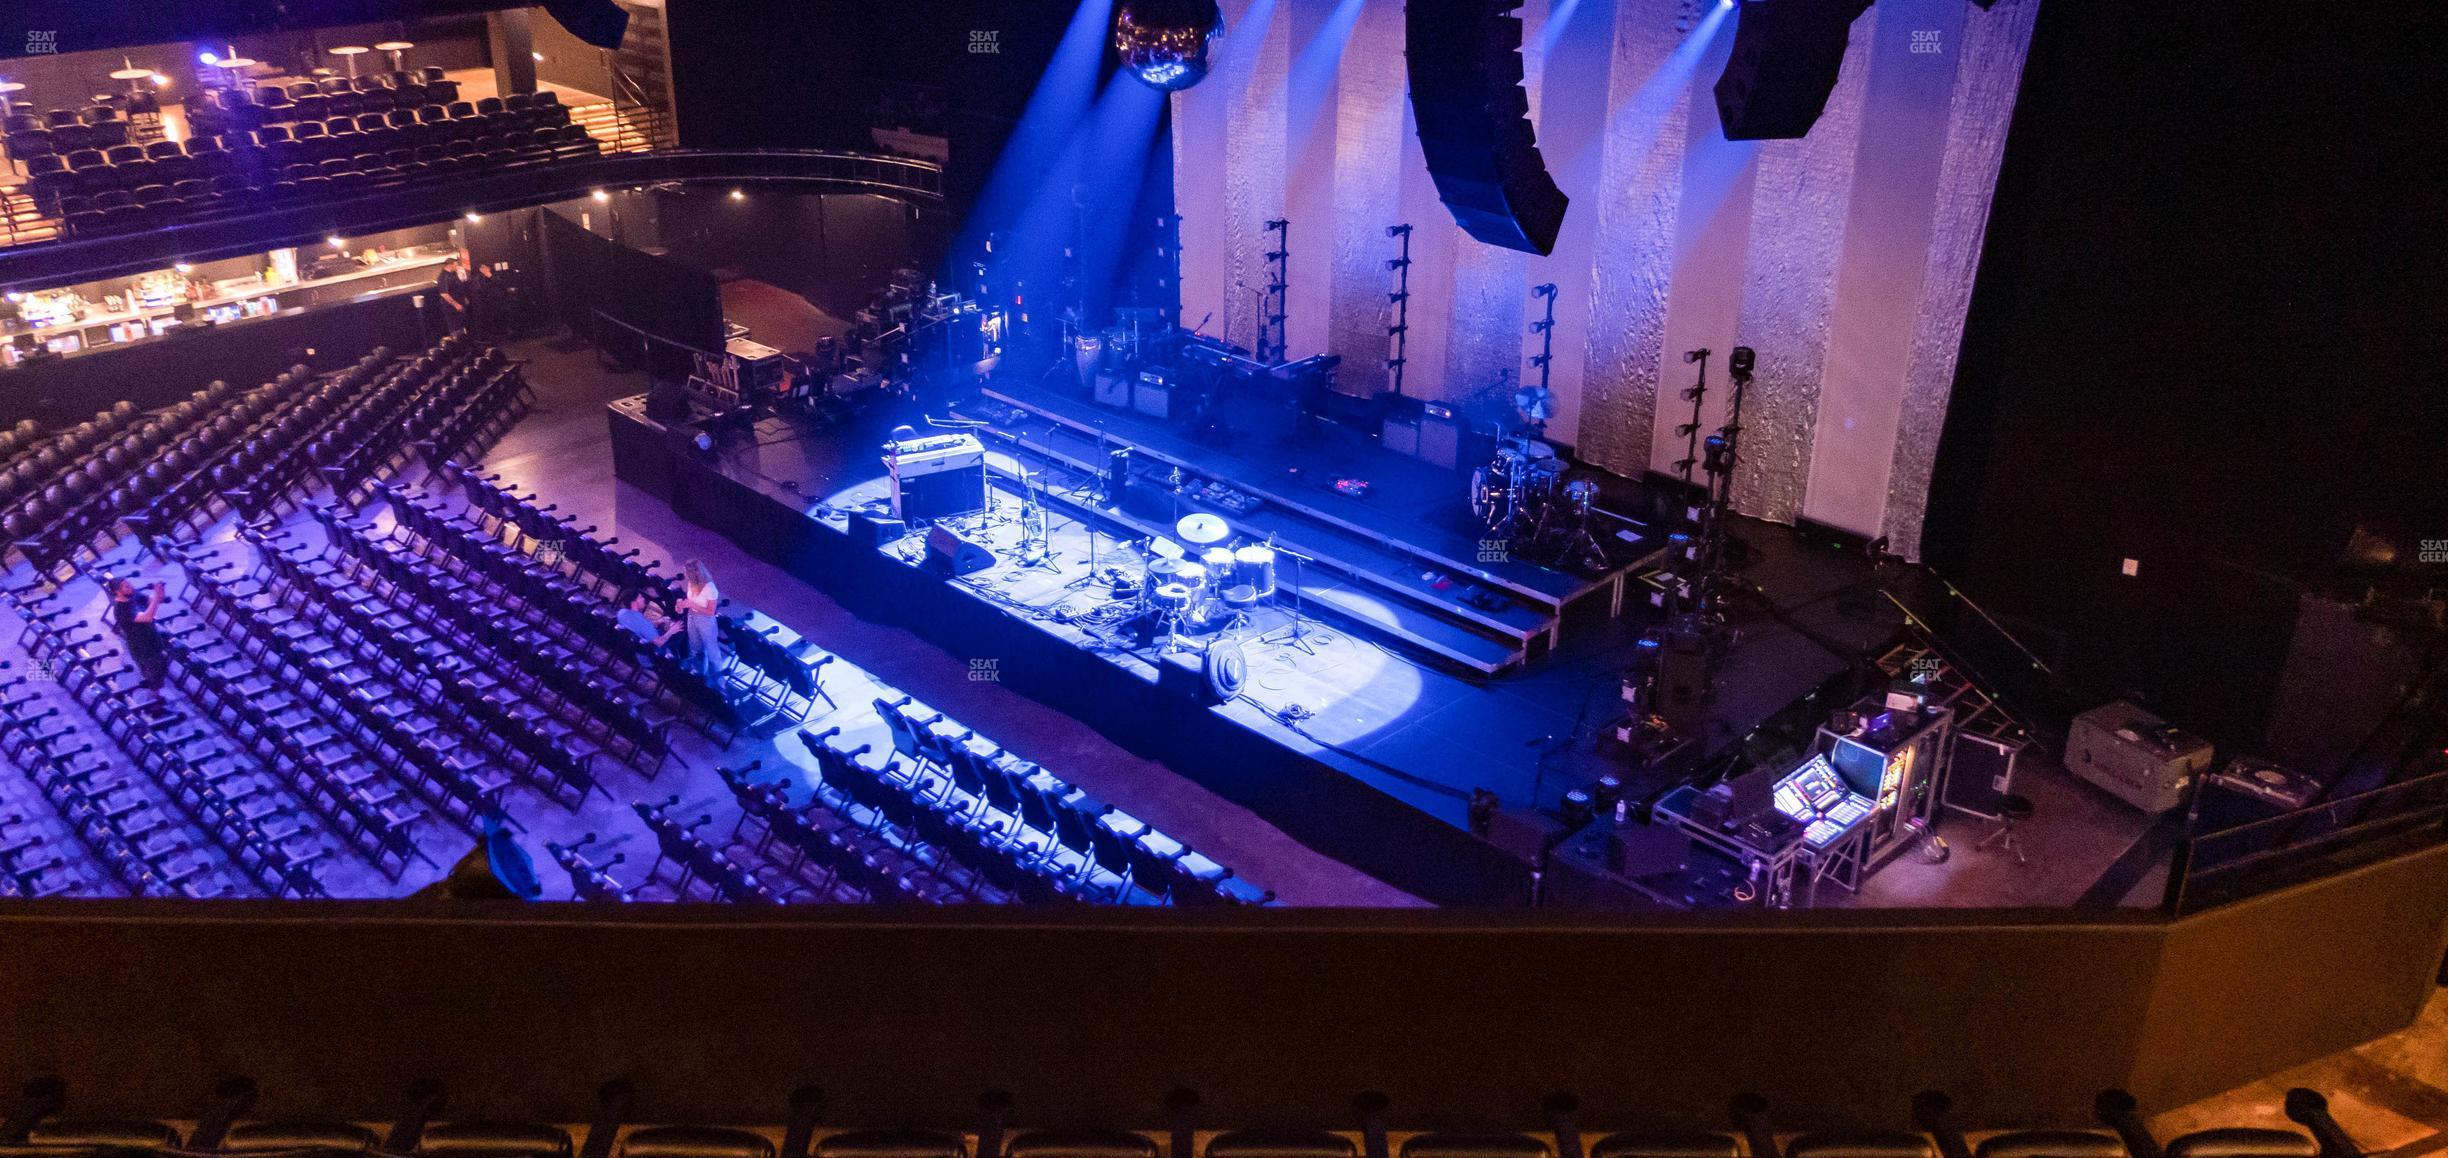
{"points": [[365, 714], [273, 727], [130, 833], [533, 526], [1089, 847], [698, 861], [598, 703], [376, 433], [500, 724], [568, 610], [816, 846]]}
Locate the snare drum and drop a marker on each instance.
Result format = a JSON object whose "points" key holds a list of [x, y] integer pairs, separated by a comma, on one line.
{"points": [[1171, 599], [1254, 568], [1193, 576], [1582, 494], [1163, 572]]}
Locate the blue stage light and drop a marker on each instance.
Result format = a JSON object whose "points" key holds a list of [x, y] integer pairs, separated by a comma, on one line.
{"points": [[1165, 42]]}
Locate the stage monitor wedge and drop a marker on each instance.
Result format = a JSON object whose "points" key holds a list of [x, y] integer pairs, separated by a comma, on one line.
{"points": [[1474, 125], [1786, 57]]}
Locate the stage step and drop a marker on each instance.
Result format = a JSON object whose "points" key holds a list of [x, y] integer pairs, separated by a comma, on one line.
{"points": [[1358, 582]]}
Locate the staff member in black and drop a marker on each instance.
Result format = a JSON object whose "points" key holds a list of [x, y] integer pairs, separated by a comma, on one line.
{"points": [[451, 285], [135, 624]]}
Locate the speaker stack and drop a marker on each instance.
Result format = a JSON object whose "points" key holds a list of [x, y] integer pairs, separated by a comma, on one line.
{"points": [[1474, 122], [1784, 64]]}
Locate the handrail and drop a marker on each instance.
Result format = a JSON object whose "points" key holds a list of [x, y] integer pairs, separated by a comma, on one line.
{"points": [[2362, 820], [67, 260]]}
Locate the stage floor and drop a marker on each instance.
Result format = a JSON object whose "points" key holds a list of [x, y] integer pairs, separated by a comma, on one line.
{"points": [[1419, 562], [1419, 733]]}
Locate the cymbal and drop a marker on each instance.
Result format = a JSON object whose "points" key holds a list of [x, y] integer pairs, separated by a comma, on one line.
{"points": [[1203, 529]]}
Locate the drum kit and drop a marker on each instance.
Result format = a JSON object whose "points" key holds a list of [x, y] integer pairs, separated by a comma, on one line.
{"points": [[1527, 497], [1197, 581]]}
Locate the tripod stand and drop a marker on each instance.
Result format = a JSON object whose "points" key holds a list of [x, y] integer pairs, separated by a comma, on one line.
{"points": [[1297, 635]]}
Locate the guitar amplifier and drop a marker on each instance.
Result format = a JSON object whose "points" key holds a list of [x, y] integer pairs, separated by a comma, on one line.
{"points": [[1440, 437], [1152, 395], [937, 478], [1113, 390], [2136, 756]]}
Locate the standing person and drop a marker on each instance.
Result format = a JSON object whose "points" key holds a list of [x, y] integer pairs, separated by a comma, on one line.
{"points": [[135, 624], [451, 286], [700, 599], [488, 303]]}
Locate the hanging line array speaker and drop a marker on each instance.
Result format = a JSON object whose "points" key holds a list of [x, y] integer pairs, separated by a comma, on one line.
{"points": [[1474, 122]]}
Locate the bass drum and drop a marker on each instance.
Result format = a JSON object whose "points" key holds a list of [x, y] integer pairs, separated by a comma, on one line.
{"points": [[1491, 496], [1226, 669]]}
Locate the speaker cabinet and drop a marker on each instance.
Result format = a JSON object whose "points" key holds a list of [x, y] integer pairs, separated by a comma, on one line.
{"points": [[951, 553], [1683, 688], [1465, 67], [1786, 56]]}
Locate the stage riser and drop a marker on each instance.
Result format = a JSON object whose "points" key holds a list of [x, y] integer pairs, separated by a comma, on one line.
{"points": [[1310, 799]]}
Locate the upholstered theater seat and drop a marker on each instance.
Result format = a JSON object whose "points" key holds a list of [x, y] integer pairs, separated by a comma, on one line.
{"points": [[76, 1135], [2050, 1144], [1081, 1144], [2243, 1142], [1280, 1144], [1864, 1145], [257, 1137], [1697, 1144], [695, 1142], [892, 1144], [495, 1140], [1475, 1146]]}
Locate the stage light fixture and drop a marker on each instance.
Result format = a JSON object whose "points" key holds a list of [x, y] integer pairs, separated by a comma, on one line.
{"points": [[332, 241], [472, 217], [1165, 43], [600, 195], [1741, 360]]}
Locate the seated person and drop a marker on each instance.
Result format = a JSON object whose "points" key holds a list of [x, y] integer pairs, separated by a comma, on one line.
{"points": [[647, 621]]}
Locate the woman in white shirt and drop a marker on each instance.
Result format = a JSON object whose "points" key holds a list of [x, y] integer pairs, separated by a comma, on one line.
{"points": [[700, 599]]}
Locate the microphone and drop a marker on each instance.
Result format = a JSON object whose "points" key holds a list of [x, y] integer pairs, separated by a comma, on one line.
{"points": [[1695, 355]]}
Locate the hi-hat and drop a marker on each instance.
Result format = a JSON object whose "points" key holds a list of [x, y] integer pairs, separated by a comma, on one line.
{"points": [[1203, 529]]}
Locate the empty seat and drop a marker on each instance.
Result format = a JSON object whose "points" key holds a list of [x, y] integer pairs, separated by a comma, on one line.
{"points": [[1667, 1144], [495, 1140], [1880, 1144], [1280, 1144], [1475, 1146], [2243, 1142], [76, 1135], [2050, 1144], [891, 1144], [1081, 1144], [695, 1142], [258, 1137]]}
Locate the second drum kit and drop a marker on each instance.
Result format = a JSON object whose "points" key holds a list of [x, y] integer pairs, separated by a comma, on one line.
{"points": [[1526, 496], [1197, 581]]}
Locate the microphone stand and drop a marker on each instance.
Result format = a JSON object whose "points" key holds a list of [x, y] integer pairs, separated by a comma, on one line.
{"points": [[1299, 636]]}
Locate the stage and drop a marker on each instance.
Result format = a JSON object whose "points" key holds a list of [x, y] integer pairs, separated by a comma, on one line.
{"points": [[1345, 735], [1418, 563]]}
